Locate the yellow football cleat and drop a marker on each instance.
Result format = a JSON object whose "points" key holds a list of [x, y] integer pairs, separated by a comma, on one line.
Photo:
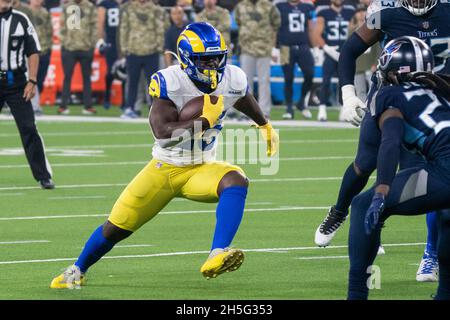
{"points": [[71, 278], [226, 261]]}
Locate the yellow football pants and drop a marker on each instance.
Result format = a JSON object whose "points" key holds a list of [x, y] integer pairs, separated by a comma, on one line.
{"points": [[159, 182]]}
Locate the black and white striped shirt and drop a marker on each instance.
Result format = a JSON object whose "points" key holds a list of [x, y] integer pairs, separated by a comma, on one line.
{"points": [[18, 40]]}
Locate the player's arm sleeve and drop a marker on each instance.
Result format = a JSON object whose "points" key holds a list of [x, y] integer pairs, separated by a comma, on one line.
{"points": [[93, 23], [275, 18], [32, 44], [123, 31], [312, 15], [389, 152], [62, 25], [226, 20], [49, 30], [158, 86], [351, 50]]}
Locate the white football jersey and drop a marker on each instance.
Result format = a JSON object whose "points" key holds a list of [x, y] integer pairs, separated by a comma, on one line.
{"points": [[174, 84]]}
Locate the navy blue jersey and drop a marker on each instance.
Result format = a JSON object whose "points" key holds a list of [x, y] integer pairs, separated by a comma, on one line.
{"points": [[395, 21], [294, 23], [426, 117], [112, 20], [336, 24]]}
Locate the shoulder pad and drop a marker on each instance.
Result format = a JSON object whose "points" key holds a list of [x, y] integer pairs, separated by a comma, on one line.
{"points": [[308, 2], [321, 8], [379, 5], [238, 79], [158, 86], [374, 12]]}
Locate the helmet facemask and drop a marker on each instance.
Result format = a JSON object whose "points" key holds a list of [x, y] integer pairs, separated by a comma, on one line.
{"points": [[208, 68], [418, 7]]}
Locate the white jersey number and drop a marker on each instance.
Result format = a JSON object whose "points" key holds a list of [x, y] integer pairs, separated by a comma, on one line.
{"points": [[113, 17], [296, 22]]}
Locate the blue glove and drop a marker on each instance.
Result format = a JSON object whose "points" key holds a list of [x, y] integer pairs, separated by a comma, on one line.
{"points": [[373, 213]]}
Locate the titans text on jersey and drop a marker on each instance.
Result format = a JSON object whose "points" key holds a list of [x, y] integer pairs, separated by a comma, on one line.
{"points": [[433, 28]]}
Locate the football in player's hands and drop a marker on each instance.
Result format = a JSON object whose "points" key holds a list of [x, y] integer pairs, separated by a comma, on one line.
{"points": [[194, 108]]}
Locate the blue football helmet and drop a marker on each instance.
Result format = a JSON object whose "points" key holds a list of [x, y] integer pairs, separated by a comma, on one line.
{"points": [[202, 53], [401, 58]]}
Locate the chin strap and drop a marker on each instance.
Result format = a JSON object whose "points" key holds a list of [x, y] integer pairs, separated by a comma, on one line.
{"points": [[211, 74], [175, 55]]}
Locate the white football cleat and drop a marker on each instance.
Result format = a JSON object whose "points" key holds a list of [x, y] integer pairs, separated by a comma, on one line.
{"points": [[428, 269], [381, 250], [307, 114], [288, 116], [328, 228], [322, 115]]}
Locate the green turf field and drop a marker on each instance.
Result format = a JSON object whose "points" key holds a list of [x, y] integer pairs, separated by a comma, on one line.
{"points": [[42, 232]]}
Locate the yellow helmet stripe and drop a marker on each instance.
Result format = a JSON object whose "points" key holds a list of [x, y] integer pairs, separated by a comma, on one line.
{"points": [[194, 40]]}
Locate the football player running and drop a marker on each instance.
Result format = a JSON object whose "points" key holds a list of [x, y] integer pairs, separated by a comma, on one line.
{"points": [[178, 168], [385, 20], [411, 108]]}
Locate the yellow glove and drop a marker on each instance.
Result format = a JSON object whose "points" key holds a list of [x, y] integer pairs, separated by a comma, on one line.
{"points": [[212, 112], [271, 137]]}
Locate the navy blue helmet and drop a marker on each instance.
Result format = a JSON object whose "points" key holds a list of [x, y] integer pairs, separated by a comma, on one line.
{"points": [[402, 57]]}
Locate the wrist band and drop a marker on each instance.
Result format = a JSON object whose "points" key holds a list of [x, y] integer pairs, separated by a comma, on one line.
{"points": [[34, 82]]}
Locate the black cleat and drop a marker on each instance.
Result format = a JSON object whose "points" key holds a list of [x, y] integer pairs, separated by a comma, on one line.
{"points": [[328, 228]]}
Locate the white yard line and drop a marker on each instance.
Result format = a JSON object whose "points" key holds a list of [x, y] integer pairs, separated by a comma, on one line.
{"points": [[100, 185], [321, 257], [140, 121], [169, 254], [11, 194], [76, 197], [149, 145], [72, 216], [24, 242], [127, 163], [109, 185], [134, 245]]}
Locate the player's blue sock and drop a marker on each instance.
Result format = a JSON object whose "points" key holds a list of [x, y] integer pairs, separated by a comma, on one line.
{"points": [[229, 214], [95, 248], [351, 185], [362, 248], [432, 237]]}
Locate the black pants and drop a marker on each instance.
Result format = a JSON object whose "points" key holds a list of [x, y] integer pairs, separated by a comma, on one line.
{"points": [[302, 56], [111, 57], [23, 114], [329, 70], [135, 64], [69, 60], [44, 62]]}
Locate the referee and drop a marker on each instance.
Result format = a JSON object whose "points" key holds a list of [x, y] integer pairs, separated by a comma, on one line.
{"points": [[19, 43]]}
